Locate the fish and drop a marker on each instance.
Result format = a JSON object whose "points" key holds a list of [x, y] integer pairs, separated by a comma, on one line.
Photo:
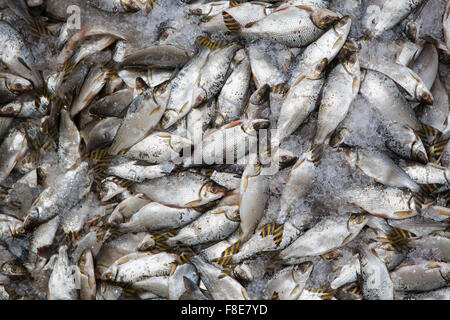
{"points": [[216, 224], [138, 266], [220, 287], [245, 13], [228, 143], [375, 279], [339, 92], [155, 216], [17, 56], [234, 94], [188, 189], [13, 148], [392, 12], [381, 168], [159, 147], [289, 282], [294, 26], [410, 81], [142, 117], [62, 194], [253, 198], [423, 276], [61, 285], [327, 235], [386, 202], [161, 56], [88, 286], [92, 85], [300, 100], [208, 69]]}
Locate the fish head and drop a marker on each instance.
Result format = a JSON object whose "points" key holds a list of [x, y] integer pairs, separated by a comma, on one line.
{"points": [[18, 85], [351, 155], [178, 143], [31, 219], [412, 30], [212, 191], [301, 270], [423, 94], [418, 151], [147, 243], [323, 18], [115, 219], [286, 159], [239, 56], [243, 271], [233, 214], [11, 109], [86, 261], [130, 5], [13, 269], [168, 119], [351, 63], [357, 221], [342, 27], [252, 127], [339, 137], [110, 274], [319, 69]]}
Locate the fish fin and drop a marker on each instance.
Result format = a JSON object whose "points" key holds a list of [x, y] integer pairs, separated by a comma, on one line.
{"points": [[399, 214], [300, 79], [338, 42], [232, 25], [307, 8]]}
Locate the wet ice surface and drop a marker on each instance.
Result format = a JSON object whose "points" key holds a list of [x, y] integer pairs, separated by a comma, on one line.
{"points": [[333, 175]]}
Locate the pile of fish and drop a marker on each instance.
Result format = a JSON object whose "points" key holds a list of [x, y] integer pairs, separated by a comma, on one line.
{"points": [[292, 149]]}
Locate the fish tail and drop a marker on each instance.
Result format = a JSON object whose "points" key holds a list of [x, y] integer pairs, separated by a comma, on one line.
{"points": [[226, 256], [186, 253], [234, 3], [426, 191], [398, 238], [275, 296], [316, 153], [232, 25], [149, 4], [436, 148], [161, 240], [207, 42], [37, 29], [280, 89], [276, 230], [350, 46]]}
